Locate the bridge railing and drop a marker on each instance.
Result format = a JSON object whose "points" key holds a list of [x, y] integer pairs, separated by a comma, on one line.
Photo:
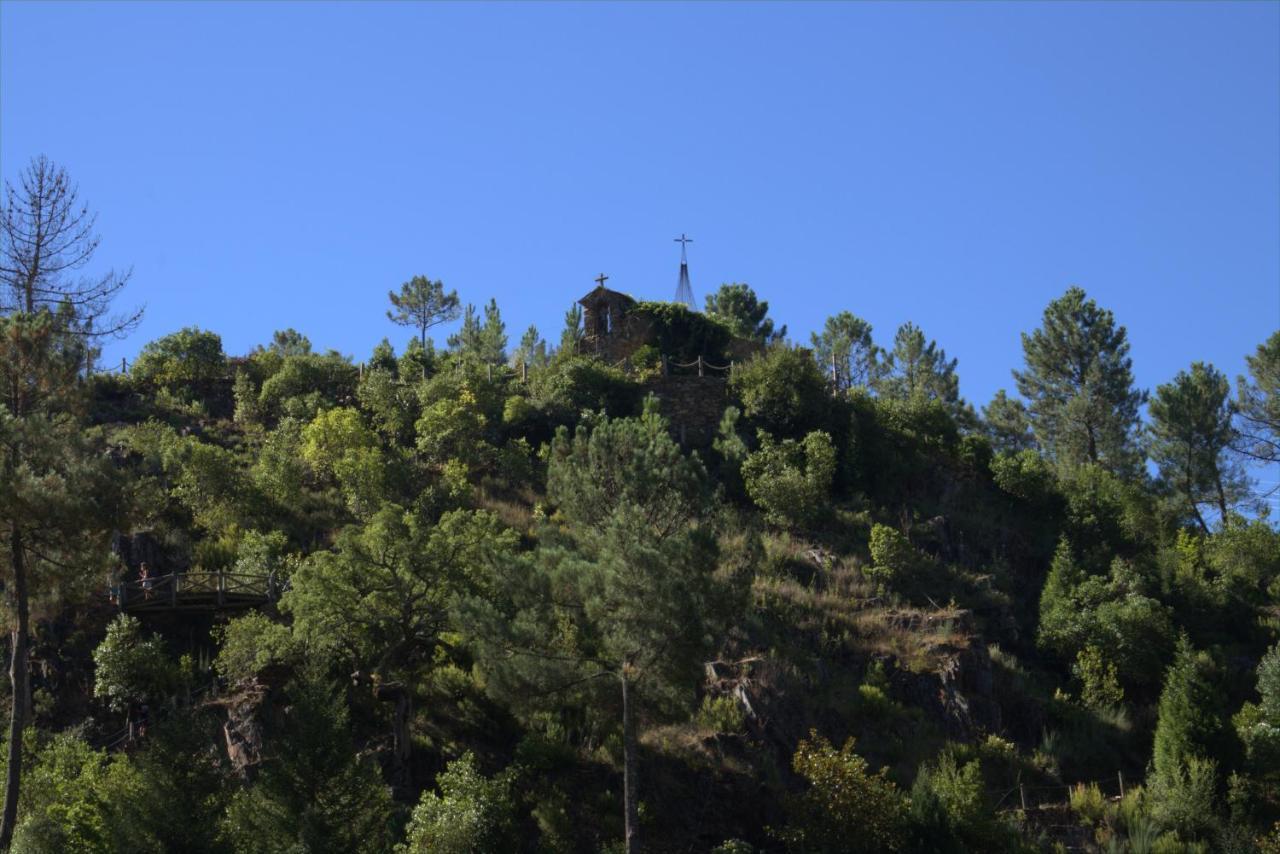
{"points": [[214, 588]]}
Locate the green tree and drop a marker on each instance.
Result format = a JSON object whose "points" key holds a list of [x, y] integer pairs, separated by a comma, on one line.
{"points": [[290, 342], [532, 350], [916, 369], [470, 813], [130, 668], [1007, 424], [845, 347], [572, 334], [1191, 441], [422, 304], [782, 391], [631, 595], [1189, 722], [380, 601], [187, 356], [493, 336], [790, 480], [843, 802], [1258, 402], [59, 499], [737, 306], [1079, 385]]}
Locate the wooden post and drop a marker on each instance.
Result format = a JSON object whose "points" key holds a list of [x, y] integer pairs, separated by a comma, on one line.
{"points": [[524, 371], [222, 586], [1022, 792], [362, 370], [1120, 777], [124, 366], [732, 364], [700, 371], [173, 590]]}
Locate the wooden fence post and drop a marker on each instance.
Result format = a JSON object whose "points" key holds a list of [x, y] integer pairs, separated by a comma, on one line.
{"points": [[1120, 777], [524, 371], [1022, 793], [700, 371]]}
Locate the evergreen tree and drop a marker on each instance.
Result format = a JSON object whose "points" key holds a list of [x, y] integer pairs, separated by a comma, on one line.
{"points": [[736, 306], [290, 342], [1079, 386], [1007, 424], [1258, 403], [59, 498], [917, 370], [422, 304], [845, 348], [1189, 723], [572, 334], [1192, 437], [631, 596], [532, 350], [493, 336]]}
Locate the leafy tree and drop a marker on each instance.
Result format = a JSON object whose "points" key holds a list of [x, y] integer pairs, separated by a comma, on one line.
{"points": [[737, 306], [1258, 403], [790, 480], [948, 805], [338, 443], [1079, 385], [422, 304], [178, 360], [843, 802], [915, 370], [845, 347], [380, 601], [470, 813], [129, 668], [1113, 612], [1192, 436], [782, 392], [46, 236], [1007, 424], [1099, 686]]}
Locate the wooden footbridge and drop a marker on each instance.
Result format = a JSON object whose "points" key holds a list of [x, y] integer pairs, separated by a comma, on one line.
{"points": [[196, 591]]}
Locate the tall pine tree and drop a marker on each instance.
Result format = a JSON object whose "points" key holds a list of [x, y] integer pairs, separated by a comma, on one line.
{"points": [[1078, 383]]}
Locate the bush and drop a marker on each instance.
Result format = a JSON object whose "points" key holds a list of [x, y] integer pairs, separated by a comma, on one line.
{"points": [[791, 481], [249, 644], [721, 714], [782, 392], [1184, 799], [470, 813], [178, 361], [893, 558], [844, 802]]}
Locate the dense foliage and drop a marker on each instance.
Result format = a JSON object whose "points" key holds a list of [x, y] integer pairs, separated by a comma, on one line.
{"points": [[505, 609]]}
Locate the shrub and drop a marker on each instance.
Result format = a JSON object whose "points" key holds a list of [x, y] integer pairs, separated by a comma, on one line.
{"points": [[782, 392], [1099, 685], [470, 813], [178, 360], [844, 801], [1184, 798], [129, 668], [791, 481], [721, 714], [893, 558]]}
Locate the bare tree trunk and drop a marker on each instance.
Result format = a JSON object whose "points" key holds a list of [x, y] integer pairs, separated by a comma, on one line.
{"points": [[21, 695], [1222, 495], [630, 796]]}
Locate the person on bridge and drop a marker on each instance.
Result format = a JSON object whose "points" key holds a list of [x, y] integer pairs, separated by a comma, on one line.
{"points": [[144, 575]]}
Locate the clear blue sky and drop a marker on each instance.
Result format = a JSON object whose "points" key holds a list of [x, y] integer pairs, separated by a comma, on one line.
{"points": [[957, 165]]}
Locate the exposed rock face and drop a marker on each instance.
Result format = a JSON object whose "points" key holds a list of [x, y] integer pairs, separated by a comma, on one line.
{"points": [[960, 693], [243, 729]]}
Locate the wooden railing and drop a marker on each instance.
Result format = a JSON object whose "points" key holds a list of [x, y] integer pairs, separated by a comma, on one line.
{"points": [[195, 589]]}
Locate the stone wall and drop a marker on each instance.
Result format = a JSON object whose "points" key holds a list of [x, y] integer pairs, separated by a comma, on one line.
{"points": [[694, 405]]}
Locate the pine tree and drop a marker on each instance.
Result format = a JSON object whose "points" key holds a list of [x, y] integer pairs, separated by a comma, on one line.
{"points": [[571, 335], [1258, 403], [916, 369], [747, 316], [1007, 424], [1079, 386], [845, 348], [422, 304], [631, 596], [1192, 437], [493, 336]]}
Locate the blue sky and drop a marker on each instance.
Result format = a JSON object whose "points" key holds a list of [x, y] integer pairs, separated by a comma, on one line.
{"points": [[957, 165]]}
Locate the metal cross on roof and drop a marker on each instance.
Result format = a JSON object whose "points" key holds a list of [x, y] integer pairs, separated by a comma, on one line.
{"points": [[600, 279]]}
